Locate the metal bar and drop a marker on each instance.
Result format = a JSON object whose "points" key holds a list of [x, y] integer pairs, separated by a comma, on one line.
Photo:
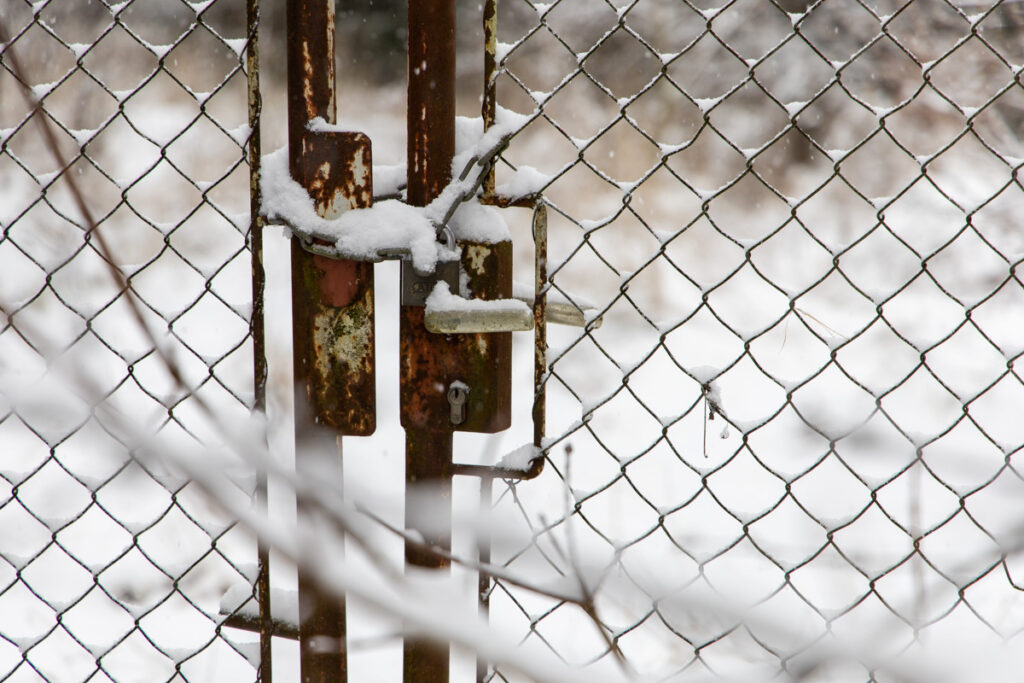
{"points": [[257, 327], [540, 334], [428, 466], [275, 627], [332, 309], [489, 104], [483, 559], [426, 359], [431, 119]]}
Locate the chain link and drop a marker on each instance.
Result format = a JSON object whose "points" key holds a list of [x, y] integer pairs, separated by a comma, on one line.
{"points": [[796, 220], [111, 566]]}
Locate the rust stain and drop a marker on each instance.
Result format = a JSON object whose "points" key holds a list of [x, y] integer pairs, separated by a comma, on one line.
{"points": [[333, 336], [307, 82], [489, 102], [341, 280], [332, 300]]}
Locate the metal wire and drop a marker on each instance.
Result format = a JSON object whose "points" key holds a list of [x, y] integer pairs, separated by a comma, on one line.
{"points": [[796, 219], [111, 564]]}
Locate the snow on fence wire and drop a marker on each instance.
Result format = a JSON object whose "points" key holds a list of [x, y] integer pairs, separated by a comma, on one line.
{"points": [[799, 425], [113, 567], [791, 445]]}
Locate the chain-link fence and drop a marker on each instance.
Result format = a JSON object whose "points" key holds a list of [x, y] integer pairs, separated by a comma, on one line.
{"points": [[799, 222], [796, 424], [126, 302]]}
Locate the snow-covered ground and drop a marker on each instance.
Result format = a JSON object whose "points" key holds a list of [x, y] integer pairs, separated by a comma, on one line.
{"points": [[800, 416]]}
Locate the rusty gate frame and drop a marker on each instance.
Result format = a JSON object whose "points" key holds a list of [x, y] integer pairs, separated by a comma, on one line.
{"points": [[333, 309]]}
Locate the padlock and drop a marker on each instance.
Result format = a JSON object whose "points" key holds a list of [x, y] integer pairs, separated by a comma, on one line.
{"points": [[416, 287]]}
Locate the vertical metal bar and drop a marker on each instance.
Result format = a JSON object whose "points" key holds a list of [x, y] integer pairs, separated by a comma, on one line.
{"points": [[540, 332], [489, 104], [426, 358], [257, 324], [431, 120], [484, 559], [332, 309], [428, 469]]}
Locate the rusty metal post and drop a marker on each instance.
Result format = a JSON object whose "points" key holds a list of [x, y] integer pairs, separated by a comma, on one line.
{"points": [[489, 103], [427, 359], [257, 324], [332, 306]]}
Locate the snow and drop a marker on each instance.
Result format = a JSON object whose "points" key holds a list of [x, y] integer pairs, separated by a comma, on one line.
{"points": [[363, 233], [199, 5], [478, 223], [82, 137], [441, 300], [41, 90], [668, 149], [794, 108], [704, 373], [159, 50], [526, 181], [79, 49], [540, 96], [521, 458], [320, 125], [237, 45], [241, 134], [388, 179], [705, 104], [502, 51]]}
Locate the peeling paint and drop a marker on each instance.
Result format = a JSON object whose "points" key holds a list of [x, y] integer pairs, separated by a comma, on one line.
{"points": [[307, 82], [476, 255]]}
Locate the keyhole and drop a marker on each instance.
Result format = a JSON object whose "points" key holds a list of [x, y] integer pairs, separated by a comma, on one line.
{"points": [[457, 395]]}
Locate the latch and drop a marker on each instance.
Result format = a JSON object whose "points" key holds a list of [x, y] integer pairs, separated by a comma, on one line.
{"points": [[454, 315]]}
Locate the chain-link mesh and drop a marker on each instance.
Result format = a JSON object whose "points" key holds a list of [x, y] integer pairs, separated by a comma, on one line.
{"points": [[798, 222], [112, 567], [798, 421]]}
